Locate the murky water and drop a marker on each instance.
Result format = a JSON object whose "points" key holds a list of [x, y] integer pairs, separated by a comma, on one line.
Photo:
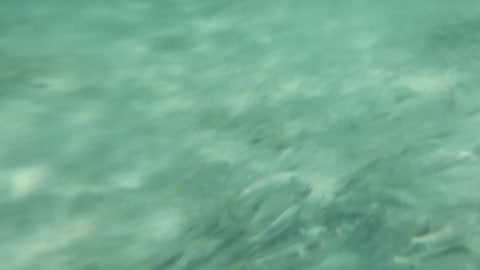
{"points": [[239, 135]]}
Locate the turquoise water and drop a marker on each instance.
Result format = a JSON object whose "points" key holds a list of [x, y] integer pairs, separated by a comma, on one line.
{"points": [[239, 135]]}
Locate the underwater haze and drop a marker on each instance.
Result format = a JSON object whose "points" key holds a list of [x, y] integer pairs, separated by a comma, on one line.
{"points": [[238, 135]]}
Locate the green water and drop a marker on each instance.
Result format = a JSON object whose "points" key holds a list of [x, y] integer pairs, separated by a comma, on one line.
{"points": [[214, 134]]}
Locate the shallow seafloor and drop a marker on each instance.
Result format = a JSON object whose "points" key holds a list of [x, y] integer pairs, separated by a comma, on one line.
{"points": [[215, 134]]}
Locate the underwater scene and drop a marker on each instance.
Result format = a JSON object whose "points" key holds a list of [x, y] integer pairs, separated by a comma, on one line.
{"points": [[238, 135]]}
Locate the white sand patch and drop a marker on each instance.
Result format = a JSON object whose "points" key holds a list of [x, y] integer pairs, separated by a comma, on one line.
{"points": [[323, 188], [25, 181], [427, 82], [130, 180], [212, 25], [134, 48], [375, 73], [87, 115], [164, 226], [263, 39], [59, 83], [291, 87], [364, 42], [240, 102]]}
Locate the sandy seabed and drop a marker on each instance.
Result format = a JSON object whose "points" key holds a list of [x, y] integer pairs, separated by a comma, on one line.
{"points": [[239, 135]]}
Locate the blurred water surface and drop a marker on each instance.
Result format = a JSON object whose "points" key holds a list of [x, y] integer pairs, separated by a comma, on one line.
{"points": [[239, 135]]}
